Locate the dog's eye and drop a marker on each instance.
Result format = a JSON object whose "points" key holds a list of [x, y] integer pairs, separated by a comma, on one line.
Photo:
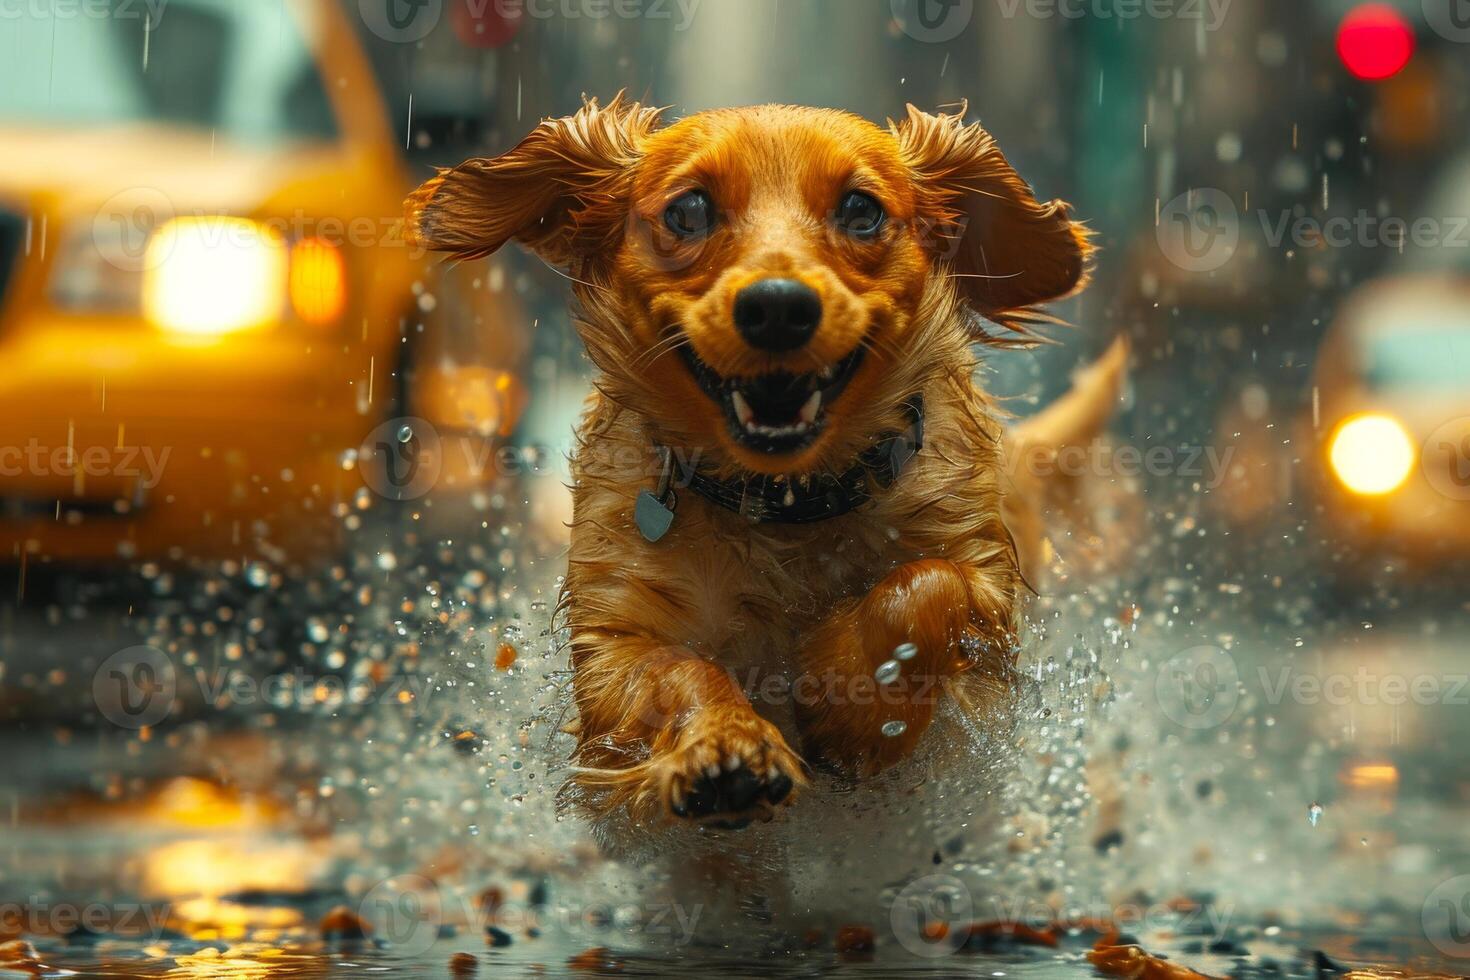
{"points": [[691, 215], [860, 215]]}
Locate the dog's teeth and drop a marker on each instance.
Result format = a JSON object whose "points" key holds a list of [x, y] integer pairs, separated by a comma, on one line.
{"points": [[747, 420], [713, 770], [811, 408], [829, 372], [742, 409], [733, 763]]}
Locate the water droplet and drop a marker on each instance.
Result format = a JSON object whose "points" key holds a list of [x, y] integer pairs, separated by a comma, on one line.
{"points": [[1314, 813], [405, 433], [887, 672], [895, 728], [905, 651]]}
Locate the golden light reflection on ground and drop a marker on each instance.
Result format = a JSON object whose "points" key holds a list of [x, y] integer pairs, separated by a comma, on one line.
{"points": [[210, 918], [247, 960], [220, 866]]}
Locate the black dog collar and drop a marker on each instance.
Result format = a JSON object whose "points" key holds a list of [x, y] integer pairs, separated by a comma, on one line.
{"points": [[772, 500]]}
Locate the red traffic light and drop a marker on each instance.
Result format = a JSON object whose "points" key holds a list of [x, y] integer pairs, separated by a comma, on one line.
{"points": [[1375, 41]]}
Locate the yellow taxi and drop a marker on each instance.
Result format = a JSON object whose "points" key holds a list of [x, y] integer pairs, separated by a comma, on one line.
{"points": [[204, 289], [1390, 422]]}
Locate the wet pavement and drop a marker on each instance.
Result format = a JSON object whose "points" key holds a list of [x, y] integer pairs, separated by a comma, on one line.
{"points": [[237, 771]]}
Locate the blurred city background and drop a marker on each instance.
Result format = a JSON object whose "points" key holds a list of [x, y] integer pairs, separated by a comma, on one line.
{"points": [[261, 455]]}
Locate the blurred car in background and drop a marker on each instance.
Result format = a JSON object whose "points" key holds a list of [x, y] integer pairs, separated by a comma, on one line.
{"points": [[1391, 467], [205, 297]]}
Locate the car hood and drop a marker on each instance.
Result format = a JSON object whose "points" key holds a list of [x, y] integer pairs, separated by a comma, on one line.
{"points": [[68, 170]]}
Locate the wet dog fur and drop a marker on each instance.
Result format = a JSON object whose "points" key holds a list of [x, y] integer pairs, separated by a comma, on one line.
{"points": [[715, 668]]}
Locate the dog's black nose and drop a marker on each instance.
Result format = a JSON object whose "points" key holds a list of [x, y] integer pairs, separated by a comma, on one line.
{"points": [[777, 314]]}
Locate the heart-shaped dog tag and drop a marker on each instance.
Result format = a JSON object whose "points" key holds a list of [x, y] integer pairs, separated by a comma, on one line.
{"points": [[652, 517]]}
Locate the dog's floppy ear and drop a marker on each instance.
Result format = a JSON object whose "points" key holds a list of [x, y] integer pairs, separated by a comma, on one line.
{"points": [[1012, 252], [561, 192]]}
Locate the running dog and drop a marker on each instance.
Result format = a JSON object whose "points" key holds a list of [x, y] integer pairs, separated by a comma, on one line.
{"points": [[788, 545]]}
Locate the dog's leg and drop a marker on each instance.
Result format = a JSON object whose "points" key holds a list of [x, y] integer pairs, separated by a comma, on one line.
{"points": [[664, 732], [954, 619]]}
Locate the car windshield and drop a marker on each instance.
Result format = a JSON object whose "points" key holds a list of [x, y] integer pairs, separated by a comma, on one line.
{"points": [[244, 70], [1436, 358]]}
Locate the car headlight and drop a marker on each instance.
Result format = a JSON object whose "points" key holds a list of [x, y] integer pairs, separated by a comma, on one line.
{"points": [[1372, 454], [208, 276]]}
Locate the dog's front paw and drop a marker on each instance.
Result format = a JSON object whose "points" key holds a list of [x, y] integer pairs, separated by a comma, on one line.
{"points": [[727, 769], [875, 670]]}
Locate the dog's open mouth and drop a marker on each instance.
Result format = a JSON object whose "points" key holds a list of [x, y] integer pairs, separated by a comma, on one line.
{"points": [[778, 412]]}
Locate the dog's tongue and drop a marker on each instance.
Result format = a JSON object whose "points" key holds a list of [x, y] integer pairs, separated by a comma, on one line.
{"points": [[777, 398]]}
